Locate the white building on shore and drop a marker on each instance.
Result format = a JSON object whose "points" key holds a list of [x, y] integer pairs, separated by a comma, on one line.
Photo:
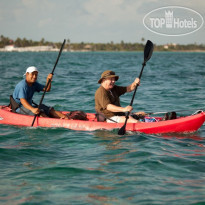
{"points": [[12, 48]]}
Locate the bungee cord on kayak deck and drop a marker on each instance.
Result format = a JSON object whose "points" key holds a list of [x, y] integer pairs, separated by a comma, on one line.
{"points": [[177, 111]]}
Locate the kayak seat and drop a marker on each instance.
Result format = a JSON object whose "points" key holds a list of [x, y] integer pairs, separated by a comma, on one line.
{"points": [[170, 116], [173, 116], [100, 117], [166, 116], [13, 104]]}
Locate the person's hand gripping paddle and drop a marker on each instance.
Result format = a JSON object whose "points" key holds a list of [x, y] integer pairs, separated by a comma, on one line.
{"points": [[147, 55]]}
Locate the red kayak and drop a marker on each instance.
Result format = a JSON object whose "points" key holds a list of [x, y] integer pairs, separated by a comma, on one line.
{"points": [[180, 125]]}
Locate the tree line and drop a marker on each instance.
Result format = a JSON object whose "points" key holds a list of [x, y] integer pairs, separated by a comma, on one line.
{"points": [[111, 46]]}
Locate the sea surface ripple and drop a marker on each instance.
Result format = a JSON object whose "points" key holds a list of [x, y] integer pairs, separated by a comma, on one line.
{"points": [[60, 166]]}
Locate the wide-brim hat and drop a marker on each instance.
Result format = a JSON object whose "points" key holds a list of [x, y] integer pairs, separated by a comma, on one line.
{"points": [[108, 74]]}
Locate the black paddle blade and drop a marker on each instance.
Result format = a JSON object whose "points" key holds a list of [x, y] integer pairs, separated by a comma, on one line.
{"points": [[148, 50], [122, 130], [147, 55]]}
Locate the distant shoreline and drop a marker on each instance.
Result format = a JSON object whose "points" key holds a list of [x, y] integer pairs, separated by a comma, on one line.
{"points": [[87, 51], [25, 45], [13, 48]]}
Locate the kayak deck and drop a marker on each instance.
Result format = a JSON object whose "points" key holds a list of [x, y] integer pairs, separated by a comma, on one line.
{"points": [[180, 125]]}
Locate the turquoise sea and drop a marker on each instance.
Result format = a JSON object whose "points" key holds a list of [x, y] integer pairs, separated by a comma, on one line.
{"points": [[59, 166]]}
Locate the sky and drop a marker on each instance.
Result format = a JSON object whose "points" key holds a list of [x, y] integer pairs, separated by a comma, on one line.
{"points": [[97, 21]]}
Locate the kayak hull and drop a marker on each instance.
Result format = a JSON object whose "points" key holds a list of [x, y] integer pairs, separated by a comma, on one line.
{"points": [[180, 125]]}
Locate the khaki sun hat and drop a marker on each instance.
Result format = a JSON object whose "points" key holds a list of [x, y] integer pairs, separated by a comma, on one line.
{"points": [[108, 74]]}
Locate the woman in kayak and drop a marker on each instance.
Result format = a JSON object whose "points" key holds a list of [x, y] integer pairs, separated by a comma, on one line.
{"points": [[23, 94], [107, 101]]}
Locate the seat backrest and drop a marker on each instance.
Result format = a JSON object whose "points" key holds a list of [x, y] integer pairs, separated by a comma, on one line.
{"points": [[100, 117], [13, 104]]}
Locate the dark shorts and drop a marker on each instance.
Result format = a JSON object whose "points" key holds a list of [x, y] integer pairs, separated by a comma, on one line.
{"points": [[43, 108]]}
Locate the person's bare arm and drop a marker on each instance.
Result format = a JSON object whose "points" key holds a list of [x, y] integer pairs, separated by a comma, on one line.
{"points": [[25, 103], [133, 85], [114, 108], [50, 76]]}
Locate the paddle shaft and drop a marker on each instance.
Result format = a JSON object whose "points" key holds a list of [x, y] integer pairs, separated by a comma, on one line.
{"points": [[147, 55], [133, 96], [49, 81], [143, 65]]}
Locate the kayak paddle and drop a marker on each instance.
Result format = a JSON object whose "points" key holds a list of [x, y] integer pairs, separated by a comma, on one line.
{"points": [[147, 55], [49, 81]]}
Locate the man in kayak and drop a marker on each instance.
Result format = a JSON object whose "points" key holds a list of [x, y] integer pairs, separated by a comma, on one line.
{"points": [[23, 94], [107, 101]]}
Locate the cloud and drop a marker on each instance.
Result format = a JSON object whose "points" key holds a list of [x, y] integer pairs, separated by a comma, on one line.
{"points": [[108, 12], [44, 22], [29, 3], [84, 20]]}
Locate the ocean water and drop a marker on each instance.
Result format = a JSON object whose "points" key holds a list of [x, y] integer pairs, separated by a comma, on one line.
{"points": [[60, 166]]}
